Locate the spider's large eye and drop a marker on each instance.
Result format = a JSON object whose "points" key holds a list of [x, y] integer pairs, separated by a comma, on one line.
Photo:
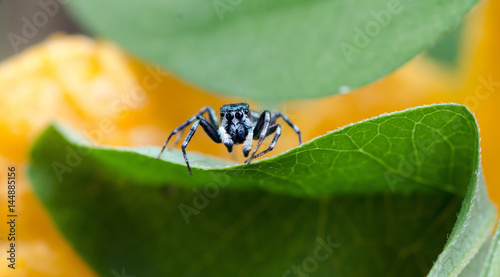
{"points": [[229, 116], [239, 115]]}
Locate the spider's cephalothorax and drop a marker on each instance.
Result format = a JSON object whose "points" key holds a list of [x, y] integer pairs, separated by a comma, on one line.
{"points": [[238, 125]]}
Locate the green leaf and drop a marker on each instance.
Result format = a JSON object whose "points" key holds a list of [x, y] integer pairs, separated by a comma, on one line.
{"points": [[492, 262], [376, 198], [274, 50], [447, 50]]}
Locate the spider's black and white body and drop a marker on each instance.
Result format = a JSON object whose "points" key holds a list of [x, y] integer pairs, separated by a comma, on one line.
{"points": [[238, 125]]}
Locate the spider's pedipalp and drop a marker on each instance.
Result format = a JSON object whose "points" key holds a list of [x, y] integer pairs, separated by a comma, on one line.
{"points": [[247, 145]]}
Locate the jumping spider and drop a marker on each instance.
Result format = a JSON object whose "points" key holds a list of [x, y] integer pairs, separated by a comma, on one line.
{"points": [[238, 125]]}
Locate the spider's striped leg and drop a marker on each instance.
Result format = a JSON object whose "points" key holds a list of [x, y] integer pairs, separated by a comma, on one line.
{"points": [[207, 127], [186, 142], [276, 129], [276, 115], [211, 130], [178, 138], [212, 116], [260, 132], [213, 119], [175, 131]]}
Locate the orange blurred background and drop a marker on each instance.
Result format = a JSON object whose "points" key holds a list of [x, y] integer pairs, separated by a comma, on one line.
{"points": [[89, 84]]}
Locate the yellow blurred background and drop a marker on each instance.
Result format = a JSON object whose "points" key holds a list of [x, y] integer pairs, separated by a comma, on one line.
{"points": [[116, 99]]}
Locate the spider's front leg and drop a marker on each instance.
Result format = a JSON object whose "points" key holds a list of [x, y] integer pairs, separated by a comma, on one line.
{"points": [[213, 120], [260, 132], [263, 130], [209, 130], [276, 129]]}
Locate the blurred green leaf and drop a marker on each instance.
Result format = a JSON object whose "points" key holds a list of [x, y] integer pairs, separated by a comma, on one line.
{"points": [[492, 262], [376, 198], [274, 50], [447, 50]]}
